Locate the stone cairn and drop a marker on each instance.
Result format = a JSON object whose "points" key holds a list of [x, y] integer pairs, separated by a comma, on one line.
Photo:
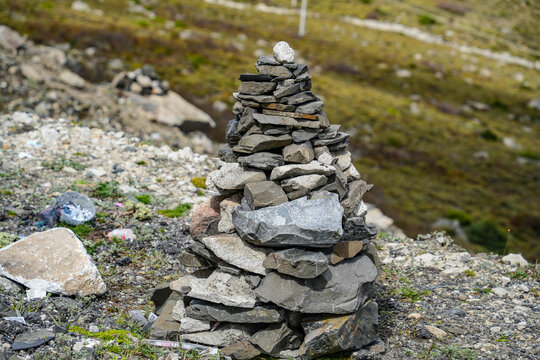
{"points": [[286, 261], [143, 81]]}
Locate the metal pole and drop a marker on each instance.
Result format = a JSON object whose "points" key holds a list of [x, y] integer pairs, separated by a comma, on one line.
{"points": [[303, 10]]}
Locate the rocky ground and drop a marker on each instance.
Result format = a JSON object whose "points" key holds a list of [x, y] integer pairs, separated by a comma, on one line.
{"points": [[436, 301]]}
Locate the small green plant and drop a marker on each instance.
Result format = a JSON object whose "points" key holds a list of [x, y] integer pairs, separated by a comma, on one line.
{"points": [[6, 192], [81, 230], [461, 216], [529, 155], [144, 198], [519, 274], [178, 211], [454, 352], [489, 135], [139, 210], [411, 294], [159, 180], [502, 339], [425, 19], [200, 193], [58, 165], [108, 189], [482, 291], [6, 239], [199, 182], [470, 273], [141, 162]]}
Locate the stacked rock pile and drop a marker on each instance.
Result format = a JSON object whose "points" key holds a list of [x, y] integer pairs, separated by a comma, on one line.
{"points": [[142, 81], [287, 262]]}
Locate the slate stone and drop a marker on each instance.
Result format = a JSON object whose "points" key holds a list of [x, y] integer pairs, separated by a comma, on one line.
{"points": [[246, 121], [224, 335], [344, 159], [189, 325], [304, 183], [297, 262], [200, 250], [300, 98], [329, 133], [302, 222], [237, 252], [32, 340], [287, 91], [159, 296], [357, 189], [262, 194], [294, 115], [253, 130], [250, 103], [194, 261], [286, 121], [275, 338], [260, 314], [340, 137], [338, 146], [278, 130], [231, 132], [355, 228], [255, 143], [226, 154], [242, 350], [336, 334], [371, 253], [342, 289], [300, 136], [346, 250], [294, 170], [255, 77], [313, 107], [225, 223], [232, 176], [267, 60], [352, 174], [262, 160], [279, 107], [299, 153], [256, 88], [228, 268], [223, 288], [300, 69], [256, 99], [165, 327], [276, 71]]}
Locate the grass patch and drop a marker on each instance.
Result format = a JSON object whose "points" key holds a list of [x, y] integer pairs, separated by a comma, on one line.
{"points": [[141, 162], [108, 189], [6, 192], [455, 352], [144, 198], [470, 273], [81, 230], [58, 165], [178, 211], [199, 182], [6, 239], [411, 294]]}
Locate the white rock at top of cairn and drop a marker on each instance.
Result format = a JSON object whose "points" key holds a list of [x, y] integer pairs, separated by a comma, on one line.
{"points": [[283, 52]]}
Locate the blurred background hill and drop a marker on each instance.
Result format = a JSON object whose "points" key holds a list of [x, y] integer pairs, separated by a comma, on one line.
{"points": [[442, 98]]}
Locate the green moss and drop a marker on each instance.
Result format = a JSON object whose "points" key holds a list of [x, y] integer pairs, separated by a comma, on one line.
{"points": [[178, 211], [144, 198], [108, 189], [425, 19], [199, 182], [6, 239], [141, 162], [119, 336], [6, 192], [461, 216], [139, 210], [529, 154], [81, 230]]}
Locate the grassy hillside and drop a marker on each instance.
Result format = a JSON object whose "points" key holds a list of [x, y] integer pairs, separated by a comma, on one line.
{"points": [[426, 159]]}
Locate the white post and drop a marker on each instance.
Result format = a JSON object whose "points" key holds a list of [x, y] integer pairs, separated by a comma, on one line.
{"points": [[303, 10], [294, 3]]}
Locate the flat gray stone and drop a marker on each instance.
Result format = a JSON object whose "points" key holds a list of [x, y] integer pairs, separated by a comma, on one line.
{"points": [[336, 334], [232, 135], [304, 183], [213, 312], [235, 251], [313, 107], [346, 250], [329, 133], [223, 288], [279, 107], [232, 176], [31, 340], [246, 121], [275, 338], [255, 143], [357, 189], [340, 137], [302, 222], [225, 223], [242, 350], [224, 335], [344, 159], [355, 228], [267, 60], [297, 262], [286, 121], [300, 136], [294, 170], [257, 99], [256, 88], [263, 194], [342, 289], [189, 325], [299, 153], [275, 71], [300, 98], [262, 160], [287, 91]]}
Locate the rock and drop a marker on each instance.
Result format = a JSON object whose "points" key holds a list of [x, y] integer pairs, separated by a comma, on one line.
{"points": [[55, 261], [300, 136], [302, 222], [184, 284], [344, 160], [357, 189], [346, 250], [165, 327], [263, 194], [435, 331], [194, 261], [159, 296], [10, 39], [355, 228], [226, 154], [267, 60], [232, 176], [214, 312], [376, 217], [352, 174], [283, 52], [515, 260], [235, 251], [204, 215], [294, 170], [287, 91], [297, 262], [74, 208], [9, 286], [255, 77], [254, 100], [329, 133], [226, 206], [171, 109], [278, 120], [302, 185], [299, 153], [199, 249], [232, 135], [72, 79], [278, 107], [246, 121], [223, 288], [179, 311], [256, 88], [222, 336], [189, 325], [32, 72], [335, 334], [31, 340], [255, 143], [262, 160], [242, 350], [275, 71], [340, 290], [300, 98], [276, 337], [313, 107], [499, 291]]}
